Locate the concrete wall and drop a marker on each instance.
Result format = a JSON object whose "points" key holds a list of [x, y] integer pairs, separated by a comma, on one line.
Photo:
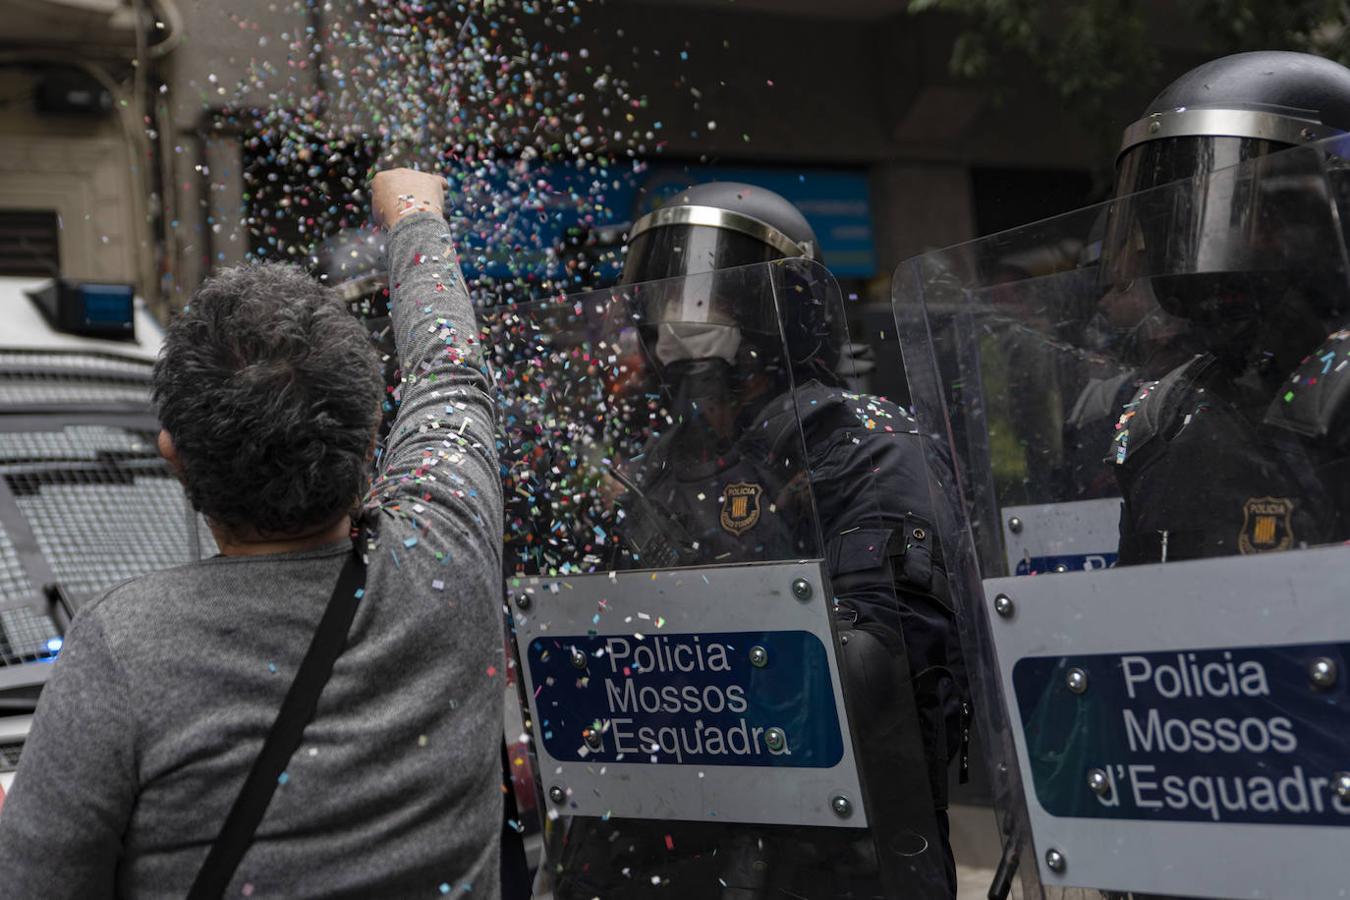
{"points": [[869, 89], [245, 53], [80, 167]]}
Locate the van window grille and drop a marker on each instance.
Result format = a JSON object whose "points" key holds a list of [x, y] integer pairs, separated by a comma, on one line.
{"points": [[100, 506]]}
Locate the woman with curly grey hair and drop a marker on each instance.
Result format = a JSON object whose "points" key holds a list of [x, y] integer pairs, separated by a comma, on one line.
{"points": [[169, 684], [269, 394]]}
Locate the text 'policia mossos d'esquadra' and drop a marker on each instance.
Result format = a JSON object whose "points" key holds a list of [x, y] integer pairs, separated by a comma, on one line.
{"points": [[1220, 735], [736, 698]]}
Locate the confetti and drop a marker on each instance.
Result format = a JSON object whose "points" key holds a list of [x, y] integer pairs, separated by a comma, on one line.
{"points": [[487, 94]]}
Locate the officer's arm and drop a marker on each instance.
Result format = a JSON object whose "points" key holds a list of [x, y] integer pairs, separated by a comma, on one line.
{"points": [[884, 538], [886, 524]]}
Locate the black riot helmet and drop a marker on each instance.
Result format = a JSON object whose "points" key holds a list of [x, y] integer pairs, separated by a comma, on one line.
{"points": [[706, 304], [716, 226], [1226, 230], [1230, 110]]}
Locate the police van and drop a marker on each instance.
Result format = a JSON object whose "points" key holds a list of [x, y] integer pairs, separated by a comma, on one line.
{"points": [[85, 499]]}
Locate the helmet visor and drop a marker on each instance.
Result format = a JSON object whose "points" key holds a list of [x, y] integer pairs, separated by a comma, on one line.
{"points": [[740, 298], [669, 251], [1184, 206]]}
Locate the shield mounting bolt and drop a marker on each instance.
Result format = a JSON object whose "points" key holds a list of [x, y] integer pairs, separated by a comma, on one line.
{"points": [[1099, 783], [842, 806], [1004, 606], [522, 601], [1055, 861], [759, 657], [557, 795], [1341, 781], [1323, 671], [801, 589], [775, 739], [578, 658], [1015, 525], [1077, 680]]}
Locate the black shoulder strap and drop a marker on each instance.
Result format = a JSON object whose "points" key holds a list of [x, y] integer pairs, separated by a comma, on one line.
{"points": [[236, 835], [1315, 399], [1156, 410]]}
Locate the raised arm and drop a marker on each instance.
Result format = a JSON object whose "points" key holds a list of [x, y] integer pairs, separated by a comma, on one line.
{"points": [[441, 450]]}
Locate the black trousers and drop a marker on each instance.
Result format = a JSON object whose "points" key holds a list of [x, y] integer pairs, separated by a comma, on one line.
{"points": [[641, 859]]}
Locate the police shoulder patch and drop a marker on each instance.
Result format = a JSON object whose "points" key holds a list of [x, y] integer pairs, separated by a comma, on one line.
{"points": [[1267, 524], [740, 507]]}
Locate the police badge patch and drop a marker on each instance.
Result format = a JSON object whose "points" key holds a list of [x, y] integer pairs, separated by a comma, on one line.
{"points": [[1266, 524], [740, 507]]}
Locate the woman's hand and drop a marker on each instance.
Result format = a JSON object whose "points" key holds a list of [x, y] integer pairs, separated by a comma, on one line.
{"points": [[396, 193]]}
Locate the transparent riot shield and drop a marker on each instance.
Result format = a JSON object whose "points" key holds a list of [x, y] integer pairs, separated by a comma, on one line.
{"points": [[710, 717], [1148, 401]]}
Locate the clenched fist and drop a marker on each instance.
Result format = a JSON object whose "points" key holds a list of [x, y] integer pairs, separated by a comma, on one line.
{"points": [[395, 193]]}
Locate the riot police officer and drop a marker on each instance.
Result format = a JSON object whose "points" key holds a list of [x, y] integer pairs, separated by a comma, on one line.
{"points": [[712, 487], [1241, 447]]}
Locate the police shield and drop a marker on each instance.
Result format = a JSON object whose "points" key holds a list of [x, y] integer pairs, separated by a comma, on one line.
{"points": [[702, 588], [1149, 400]]}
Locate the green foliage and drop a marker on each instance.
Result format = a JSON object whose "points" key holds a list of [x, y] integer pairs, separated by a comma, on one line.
{"points": [[1318, 26], [1095, 53], [1083, 48]]}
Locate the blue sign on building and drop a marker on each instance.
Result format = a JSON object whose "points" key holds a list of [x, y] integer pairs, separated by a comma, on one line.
{"points": [[556, 207]]}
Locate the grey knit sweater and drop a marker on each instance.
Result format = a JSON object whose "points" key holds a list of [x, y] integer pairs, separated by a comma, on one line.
{"points": [[168, 684]]}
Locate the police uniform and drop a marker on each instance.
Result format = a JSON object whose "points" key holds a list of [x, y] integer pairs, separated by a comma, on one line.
{"points": [[870, 480], [1200, 478], [1241, 448], [703, 495]]}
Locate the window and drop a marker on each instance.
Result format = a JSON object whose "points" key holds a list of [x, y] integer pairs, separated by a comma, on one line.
{"points": [[30, 242]]}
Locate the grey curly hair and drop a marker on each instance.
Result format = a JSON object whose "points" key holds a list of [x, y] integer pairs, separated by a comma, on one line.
{"points": [[271, 393]]}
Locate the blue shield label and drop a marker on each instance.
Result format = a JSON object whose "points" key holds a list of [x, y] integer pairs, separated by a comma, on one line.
{"points": [[1238, 735], [712, 699]]}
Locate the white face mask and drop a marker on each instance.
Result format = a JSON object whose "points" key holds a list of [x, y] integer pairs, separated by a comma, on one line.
{"points": [[677, 341]]}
